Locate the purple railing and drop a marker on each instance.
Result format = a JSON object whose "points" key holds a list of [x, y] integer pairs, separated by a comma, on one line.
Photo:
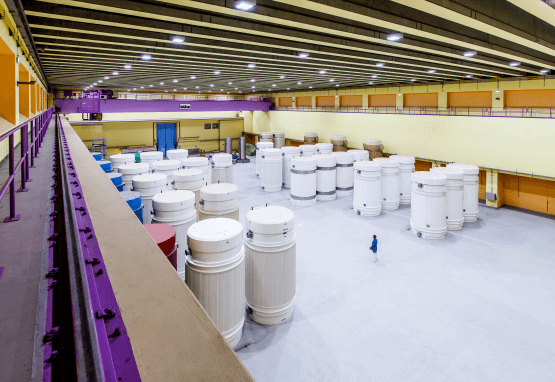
{"points": [[31, 141]]}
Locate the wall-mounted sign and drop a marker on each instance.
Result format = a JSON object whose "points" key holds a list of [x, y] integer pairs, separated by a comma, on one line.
{"points": [[215, 125], [185, 106], [206, 126]]}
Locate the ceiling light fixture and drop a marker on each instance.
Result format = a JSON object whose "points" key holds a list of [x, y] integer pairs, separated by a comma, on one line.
{"points": [[370, 83], [193, 77], [310, 87], [332, 80], [211, 85], [380, 64], [394, 36], [236, 88], [299, 83], [322, 72], [115, 73], [99, 81], [217, 72], [273, 85], [245, 5], [288, 88], [184, 88], [151, 85], [413, 79], [178, 39], [126, 66], [197, 87], [161, 83], [251, 66], [106, 77], [146, 57], [95, 83], [544, 71], [374, 76], [253, 87], [470, 53], [468, 76], [281, 77], [303, 55], [134, 88], [230, 83], [142, 87], [175, 80], [431, 71], [514, 63], [337, 85]]}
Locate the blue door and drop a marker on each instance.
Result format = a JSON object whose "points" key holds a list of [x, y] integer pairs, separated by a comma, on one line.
{"points": [[166, 136]]}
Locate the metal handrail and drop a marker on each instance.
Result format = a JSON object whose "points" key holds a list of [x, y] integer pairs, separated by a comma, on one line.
{"points": [[39, 125]]}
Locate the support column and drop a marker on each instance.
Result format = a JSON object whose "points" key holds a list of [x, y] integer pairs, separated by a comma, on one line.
{"points": [[33, 97], [399, 101], [337, 100], [24, 90], [442, 100], [365, 101], [494, 189], [313, 101]]}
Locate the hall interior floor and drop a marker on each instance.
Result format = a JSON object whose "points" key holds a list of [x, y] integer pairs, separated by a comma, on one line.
{"points": [[475, 306]]}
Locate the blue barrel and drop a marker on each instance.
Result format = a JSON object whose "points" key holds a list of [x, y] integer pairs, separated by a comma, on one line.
{"points": [[106, 165], [116, 178], [97, 156], [133, 199]]}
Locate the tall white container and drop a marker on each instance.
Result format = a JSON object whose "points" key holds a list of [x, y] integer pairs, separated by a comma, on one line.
{"points": [[471, 190], [198, 162], [367, 197], [190, 180], [307, 150], [222, 168], [149, 185], [345, 178], [118, 160], [215, 273], [303, 181], [259, 147], [271, 170], [288, 152], [427, 214], [131, 170], [325, 177], [150, 157], [166, 167], [219, 200], [390, 183], [270, 264], [359, 155], [279, 139], [454, 197], [178, 154], [406, 168], [176, 208], [324, 148], [267, 137]]}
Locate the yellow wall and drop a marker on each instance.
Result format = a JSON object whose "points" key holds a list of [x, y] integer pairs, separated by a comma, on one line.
{"points": [[520, 144]]}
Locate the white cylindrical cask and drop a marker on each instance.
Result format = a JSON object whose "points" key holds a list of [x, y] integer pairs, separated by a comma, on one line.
{"points": [[176, 208], [287, 153], [367, 197], [279, 140], [259, 147], [271, 170], [471, 190], [222, 168], [427, 213], [166, 167], [267, 137], [390, 183], [324, 148], [149, 185], [150, 157], [118, 160], [345, 178], [219, 200], [454, 197], [131, 170], [359, 155], [406, 168], [310, 137], [198, 162], [325, 177], [270, 264], [215, 273], [178, 154], [190, 180], [307, 150], [303, 181]]}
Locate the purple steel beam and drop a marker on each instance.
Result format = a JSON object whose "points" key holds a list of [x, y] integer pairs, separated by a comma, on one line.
{"points": [[114, 346], [151, 106]]}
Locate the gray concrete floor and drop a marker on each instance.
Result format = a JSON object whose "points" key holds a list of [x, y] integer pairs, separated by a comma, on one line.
{"points": [[475, 306], [21, 246]]}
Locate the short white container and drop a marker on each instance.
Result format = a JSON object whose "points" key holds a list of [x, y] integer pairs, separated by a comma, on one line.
{"points": [[215, 273], [219, 200], [324, 148], [311, 137], [406, 168], [359, 155], [307, 150], [178, 154], [271, 170], [131, 170], [391, 197], [118, 160], [259, 147], [149, 185], [367, 197], [279, 140], [270, 264], [325, 177], [176, 208], [166, 167], [471, 190], [454, 197], [198, 162], [222, 168], [189, 180], [345, 177], [150, 157], [427, 215], [267, 137], [288, 152], [303, 181]]}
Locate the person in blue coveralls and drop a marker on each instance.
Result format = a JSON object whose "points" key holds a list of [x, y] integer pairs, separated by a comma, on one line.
{"points": [[374, 248]]}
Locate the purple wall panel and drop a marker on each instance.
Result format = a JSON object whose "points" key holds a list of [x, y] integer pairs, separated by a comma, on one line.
{"points": [[68, 106]]}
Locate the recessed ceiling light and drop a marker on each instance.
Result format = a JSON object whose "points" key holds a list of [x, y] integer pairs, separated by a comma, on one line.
{"points": [[544, 71], [126, 66], [470, 53], [299, 83], [197, 87], [175, 80], [230, 83], [211, 85], [337, 85], [273, 85], [281, 77], [514, 63], [253, 80], [413, 79], [142, 87], [178, 39], [217, 72], [244, 5], [115, 73], [236, 88], [468, 76], [106, 77], [322, 72], [161, 83], [251, 66], [394, 36], [332, 80], [310, 87], [288, 88], [431, 71], [253, 87], [370, 83], [303, 55], [99, 80], [134, 88], [379, 64], [146, 57], [174, 90], [374, 76], [184, 88], [193, 77], [151, 85]]}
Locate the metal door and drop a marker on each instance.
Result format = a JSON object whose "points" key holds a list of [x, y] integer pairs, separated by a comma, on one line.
{"points": [[166, 136]]}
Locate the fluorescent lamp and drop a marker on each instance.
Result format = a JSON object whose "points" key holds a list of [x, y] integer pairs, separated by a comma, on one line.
{"points": [[146, 57], [95, 83], [197, 87], [184, 88], [151, 85], [374, 76], [174, 80], [230, 83], [299, 83], [288, 88], [468, 76], [245, 5], [514, 63], [394, 36], [142, 87], [236, 88], [413, 80], [281, 77], [253, 87], [99, 80], [470, 53], [310, 87], [106, 77], [303, 55], [161, 83], [134, 88], [126, 66], [370, 83], [379, 64], [332, 80], [251, 66], [253, 80], [322, 72], [544, 71], [217, 72], [399, 94], [193, 77], [178, 39], [431, 71], [115, 73], [211, 85], [273, 85], [337, 85]]}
